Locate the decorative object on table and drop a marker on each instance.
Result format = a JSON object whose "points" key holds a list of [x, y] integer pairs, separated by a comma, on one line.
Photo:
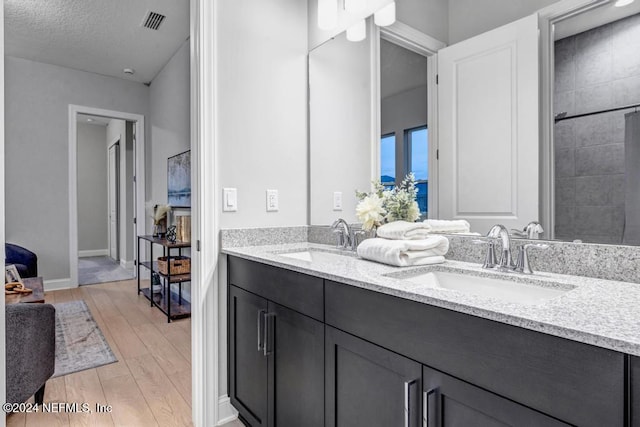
{"points": [[179, 180], [171, 234], [160, 219], [382, 205], [183, 230], [175, 264], [80, 344], [156, 284], [11, 274]]}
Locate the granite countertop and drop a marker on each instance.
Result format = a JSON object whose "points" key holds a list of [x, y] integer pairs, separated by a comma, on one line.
{"points": [[599, 312]]}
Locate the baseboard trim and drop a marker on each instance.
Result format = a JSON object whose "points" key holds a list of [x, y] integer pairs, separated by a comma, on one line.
{"points": [[127, 265], [57, 284], [226, 411], [93, 252]]}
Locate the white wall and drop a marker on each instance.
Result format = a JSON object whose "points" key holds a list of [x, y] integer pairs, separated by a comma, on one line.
{"points": [[37, 98], [468, 18], [431, 17], [261, 94], [93, 215], [340, 127], [170, 121]]}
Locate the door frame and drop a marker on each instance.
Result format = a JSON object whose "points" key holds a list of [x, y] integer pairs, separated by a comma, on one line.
{"points": [[115, 144], [547, 17], [3, 379], [418, 42], [139, 173]]}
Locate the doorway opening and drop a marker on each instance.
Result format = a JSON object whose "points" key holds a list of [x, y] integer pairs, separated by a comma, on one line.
{"points": [[106, 170]]}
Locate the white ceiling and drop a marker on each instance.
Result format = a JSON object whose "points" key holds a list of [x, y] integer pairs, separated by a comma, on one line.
{"points": [[400, 69], [99, 36]]}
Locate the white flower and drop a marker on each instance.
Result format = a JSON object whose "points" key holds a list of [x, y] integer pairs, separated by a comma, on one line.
{"points": [[370, 211], [414, 212]]}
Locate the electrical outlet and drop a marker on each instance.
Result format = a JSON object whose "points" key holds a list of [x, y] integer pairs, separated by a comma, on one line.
{"points": [[337, 201], [272, 200], [230, 200]]}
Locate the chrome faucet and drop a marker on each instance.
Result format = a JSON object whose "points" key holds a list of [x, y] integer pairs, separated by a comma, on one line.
{"points": [[501, 232], [531, 231], [343, 231]]}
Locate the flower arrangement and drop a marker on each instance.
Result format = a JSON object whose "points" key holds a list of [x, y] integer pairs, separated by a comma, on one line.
{"points": [[160, 213], [383, 205]]}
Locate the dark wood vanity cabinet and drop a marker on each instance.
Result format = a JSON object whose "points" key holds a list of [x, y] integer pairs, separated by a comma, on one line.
{"points": [[367, 385], [276, 354], [339, 355]]}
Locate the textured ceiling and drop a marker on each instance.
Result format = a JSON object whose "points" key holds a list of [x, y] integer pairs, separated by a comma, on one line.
{"points": [[100, 36]]}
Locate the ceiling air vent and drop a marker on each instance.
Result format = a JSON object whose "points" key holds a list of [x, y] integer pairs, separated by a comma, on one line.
{"points": [[152, 20]]}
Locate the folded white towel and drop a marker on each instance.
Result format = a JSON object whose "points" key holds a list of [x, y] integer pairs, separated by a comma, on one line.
{"points": [[403, 230], [445, 226], [404, 253]]}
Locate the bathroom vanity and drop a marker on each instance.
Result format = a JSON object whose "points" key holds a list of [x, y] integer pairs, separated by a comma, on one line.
{"points": [[321, 339]]}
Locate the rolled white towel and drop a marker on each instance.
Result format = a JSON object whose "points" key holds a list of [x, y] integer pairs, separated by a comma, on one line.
{"points": [[403, 230], [445, 226], [404, 253]]}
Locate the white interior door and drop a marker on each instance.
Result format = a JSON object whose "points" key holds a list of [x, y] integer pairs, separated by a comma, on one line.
{"points": [[488, 117], [114, 162]]}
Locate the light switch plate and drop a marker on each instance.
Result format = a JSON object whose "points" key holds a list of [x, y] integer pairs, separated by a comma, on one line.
{"points": [[337, 201], [229, 200], [272, 201]]}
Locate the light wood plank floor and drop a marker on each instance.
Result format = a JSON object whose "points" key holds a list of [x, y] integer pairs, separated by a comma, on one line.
{"points": [[150, 385]]}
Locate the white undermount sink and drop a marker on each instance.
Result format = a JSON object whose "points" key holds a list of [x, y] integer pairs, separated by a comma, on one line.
{"points": [[310, 255], [490, 287]]}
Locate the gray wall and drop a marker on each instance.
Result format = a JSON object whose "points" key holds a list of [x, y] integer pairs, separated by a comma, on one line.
{"points": [[170, 121], [594, 70], [93, 215], [37, 98], [468, 18]]}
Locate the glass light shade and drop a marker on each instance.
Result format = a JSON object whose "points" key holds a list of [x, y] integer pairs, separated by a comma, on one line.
{"points": [[385, 16], [621, 3], [327, 14], [352, 6], [357, 32]]}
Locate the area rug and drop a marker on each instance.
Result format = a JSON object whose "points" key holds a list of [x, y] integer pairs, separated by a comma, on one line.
{"points": [[101, 269], [80, 344]]}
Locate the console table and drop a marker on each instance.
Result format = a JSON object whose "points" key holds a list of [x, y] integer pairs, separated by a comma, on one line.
{"points": [[170, 303]]}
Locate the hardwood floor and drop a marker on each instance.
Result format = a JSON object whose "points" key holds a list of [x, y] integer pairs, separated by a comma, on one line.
{"points": [[150, 385]]}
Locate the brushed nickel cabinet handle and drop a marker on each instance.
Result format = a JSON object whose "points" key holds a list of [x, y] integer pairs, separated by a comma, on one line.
{"points": [[425, 406], [407, 402]]}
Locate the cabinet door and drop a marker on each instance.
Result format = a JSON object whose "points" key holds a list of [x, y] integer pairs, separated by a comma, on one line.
{"points": [[449, 402], [369, 386], [295, 344], [248, 366]]}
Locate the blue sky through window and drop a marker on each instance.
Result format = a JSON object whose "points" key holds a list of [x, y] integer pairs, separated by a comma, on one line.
{"points": [[419, 153], [388, 158]]}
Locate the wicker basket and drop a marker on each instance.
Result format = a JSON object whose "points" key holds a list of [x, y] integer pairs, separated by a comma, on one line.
{"points": [[179, 265]]}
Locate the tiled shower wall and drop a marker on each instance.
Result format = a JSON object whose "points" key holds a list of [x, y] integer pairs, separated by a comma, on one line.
{"points": [[595, 70]]}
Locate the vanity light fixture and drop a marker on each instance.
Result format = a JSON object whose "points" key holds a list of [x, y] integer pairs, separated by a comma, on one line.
{"points": [[385, 16], [621, 3], [327, 14], [357, 32]]}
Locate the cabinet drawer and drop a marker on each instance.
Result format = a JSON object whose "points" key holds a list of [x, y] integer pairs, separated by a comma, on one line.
{"points": [[288, 288], [574, 382]]}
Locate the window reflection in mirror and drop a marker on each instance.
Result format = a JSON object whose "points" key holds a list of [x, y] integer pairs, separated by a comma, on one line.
{"points": [[403, 102]]}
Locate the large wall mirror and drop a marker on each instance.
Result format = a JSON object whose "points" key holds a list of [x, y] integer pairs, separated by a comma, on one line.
{"points": [[597, 126], [373, 116]]}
